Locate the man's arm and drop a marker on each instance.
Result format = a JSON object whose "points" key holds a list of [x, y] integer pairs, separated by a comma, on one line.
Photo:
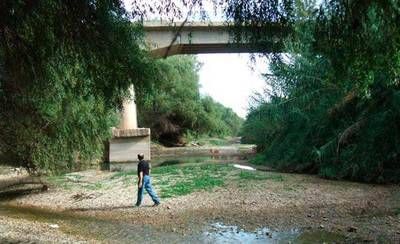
{"points": [[140, 183]]}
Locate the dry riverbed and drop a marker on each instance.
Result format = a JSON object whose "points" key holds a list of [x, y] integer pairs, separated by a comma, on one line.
{"points": [[197, 195]]}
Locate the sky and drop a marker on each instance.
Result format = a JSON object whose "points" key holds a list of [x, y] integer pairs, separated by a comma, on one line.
{"points": [[229, 79]]}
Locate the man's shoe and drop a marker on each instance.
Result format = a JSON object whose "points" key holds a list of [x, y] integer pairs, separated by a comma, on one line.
{"points": [[137, 205], [156, 204]]}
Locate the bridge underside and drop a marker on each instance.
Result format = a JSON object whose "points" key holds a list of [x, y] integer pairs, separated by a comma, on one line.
{"points": [[211, 48], [165, 40]]}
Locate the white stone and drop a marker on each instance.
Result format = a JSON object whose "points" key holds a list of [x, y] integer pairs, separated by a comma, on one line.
{"points": [[243, 167], [54, 226]]}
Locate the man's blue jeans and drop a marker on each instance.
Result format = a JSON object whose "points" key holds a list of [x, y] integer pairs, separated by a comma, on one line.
{"points": [[147, 185]]}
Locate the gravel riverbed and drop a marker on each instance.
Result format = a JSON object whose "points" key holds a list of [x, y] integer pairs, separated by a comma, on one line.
{"points": [[363, 211]]}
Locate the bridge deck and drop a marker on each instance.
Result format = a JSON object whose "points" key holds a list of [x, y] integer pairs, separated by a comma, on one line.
{"points": [[166, 39]]}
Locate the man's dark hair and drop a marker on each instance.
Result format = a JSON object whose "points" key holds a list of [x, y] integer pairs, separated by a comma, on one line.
{"points": [[140, 156]]}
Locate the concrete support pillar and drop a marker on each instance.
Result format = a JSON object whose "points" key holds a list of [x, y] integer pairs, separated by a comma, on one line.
{"points": [[129, 114], [128, 140]]}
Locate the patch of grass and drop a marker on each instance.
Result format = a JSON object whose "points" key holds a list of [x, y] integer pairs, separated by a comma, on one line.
{"points": [[256, 175], [164, 181], [178, 189], [170, 162], [59, 181], [94, 186], [178, 180], [185, 179], [126, 177], [181, 188], [122, 174], [207, 183], [69, 182], [166, 170], [249, 175]]}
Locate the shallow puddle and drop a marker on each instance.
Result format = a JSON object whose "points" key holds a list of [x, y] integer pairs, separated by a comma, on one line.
{"points": [[220, 233]]}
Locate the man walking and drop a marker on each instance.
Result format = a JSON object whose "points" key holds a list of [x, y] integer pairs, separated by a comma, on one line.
{"points": [[144, 181]]}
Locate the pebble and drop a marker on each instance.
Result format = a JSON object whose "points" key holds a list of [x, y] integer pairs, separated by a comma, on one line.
{"points": [[54, 226], [369, 239], [352, 229]]}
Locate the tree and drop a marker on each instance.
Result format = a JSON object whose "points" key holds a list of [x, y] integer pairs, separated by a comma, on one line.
{"points": [[333, 109], [65, 67], [174, 106]]}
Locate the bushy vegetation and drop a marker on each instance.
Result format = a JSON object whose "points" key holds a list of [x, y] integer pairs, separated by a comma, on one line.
{"points": [[334, 105], [174, 108], [65, 67]]}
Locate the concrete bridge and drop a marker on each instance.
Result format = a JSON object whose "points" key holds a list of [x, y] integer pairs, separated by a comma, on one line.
{"points": [[167, 39]]}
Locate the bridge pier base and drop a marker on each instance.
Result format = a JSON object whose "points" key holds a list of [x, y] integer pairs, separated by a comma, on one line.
{"points": [[128, 141]]}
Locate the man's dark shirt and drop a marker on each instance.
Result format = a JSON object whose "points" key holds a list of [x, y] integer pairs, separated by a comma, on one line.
{"points": [[144, 167]]}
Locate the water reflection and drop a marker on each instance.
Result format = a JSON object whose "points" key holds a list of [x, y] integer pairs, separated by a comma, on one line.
{"points": [[221, 233]]}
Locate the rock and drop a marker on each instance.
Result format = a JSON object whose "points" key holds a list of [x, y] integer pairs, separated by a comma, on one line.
{"points": [[352, 229], [54, 226], [82, 196], [309, 215], [368, 239], [321, 226], [45, 188]]}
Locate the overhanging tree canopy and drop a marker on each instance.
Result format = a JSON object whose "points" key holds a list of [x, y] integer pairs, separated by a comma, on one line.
{"points": [[65, 67]]}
